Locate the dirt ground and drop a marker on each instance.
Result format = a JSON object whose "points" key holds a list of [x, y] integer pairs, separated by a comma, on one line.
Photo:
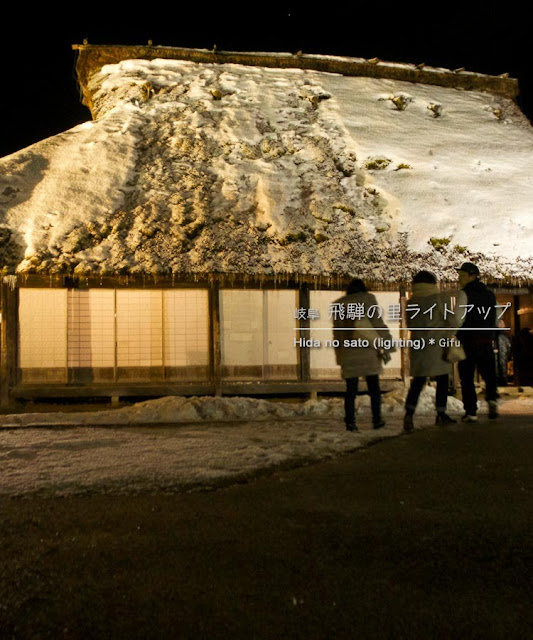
{"points": [[421, 536]]}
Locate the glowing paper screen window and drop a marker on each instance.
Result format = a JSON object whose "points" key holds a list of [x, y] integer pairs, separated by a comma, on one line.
{"points": [[186, 327], [139, 328], [91, 328], [42, 328], [257, 333]]}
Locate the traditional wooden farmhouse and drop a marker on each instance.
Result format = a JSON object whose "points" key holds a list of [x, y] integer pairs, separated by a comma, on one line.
{"points": [[192, 237]]}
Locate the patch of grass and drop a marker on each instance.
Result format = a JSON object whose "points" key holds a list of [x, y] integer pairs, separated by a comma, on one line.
{"points": [[378, 163], [439, 243], [401, 101]]}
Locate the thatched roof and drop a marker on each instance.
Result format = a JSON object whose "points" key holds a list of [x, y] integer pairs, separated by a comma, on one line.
{"points": [[201, 165]]}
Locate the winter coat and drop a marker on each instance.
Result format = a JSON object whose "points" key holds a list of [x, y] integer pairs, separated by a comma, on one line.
{"points": [[358, 361], [483, 313], [428, 361]]}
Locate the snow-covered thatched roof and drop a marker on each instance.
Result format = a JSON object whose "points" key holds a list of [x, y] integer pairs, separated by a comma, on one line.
{"points": [[216, 167]]}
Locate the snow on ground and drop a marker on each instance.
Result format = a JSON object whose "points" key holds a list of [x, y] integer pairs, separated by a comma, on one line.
{"points": [[195, 167], [212, 441]]}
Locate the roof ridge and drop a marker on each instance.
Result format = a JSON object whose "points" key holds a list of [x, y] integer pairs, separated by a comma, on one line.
{"points": [[91, 58]]}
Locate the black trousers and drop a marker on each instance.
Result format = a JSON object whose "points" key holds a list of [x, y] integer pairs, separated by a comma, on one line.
{"points": [[352, 384], [480, 355], [417, 384]]}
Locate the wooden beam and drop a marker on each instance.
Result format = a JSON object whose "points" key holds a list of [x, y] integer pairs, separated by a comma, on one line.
{"points": [[8, 341], [110, 390], [143, 389], [404, 351], [181, 281], [304, 353], [215, 351]]}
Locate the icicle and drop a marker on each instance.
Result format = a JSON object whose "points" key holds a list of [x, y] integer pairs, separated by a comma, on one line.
{"points": [[11, 281]]}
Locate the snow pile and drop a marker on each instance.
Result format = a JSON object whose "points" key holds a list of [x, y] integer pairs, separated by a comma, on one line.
{"points": [[204, 168], [176, 409]]}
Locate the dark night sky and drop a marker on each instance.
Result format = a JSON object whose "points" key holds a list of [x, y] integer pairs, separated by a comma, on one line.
{"points": [[40, 96]]}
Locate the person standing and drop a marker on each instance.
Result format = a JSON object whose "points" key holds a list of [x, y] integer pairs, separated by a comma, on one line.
{"points": [[360, 321], [427, 310], [476, 306]]}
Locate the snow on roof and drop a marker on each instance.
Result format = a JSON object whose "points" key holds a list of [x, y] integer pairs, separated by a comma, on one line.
{"points": [[197, 168]]}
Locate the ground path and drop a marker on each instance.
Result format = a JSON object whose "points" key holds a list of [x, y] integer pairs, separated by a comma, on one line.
{"points": [[421, 536]]}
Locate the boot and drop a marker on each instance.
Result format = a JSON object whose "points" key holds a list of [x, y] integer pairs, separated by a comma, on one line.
{"points": [[408, 425], [444, 418]]}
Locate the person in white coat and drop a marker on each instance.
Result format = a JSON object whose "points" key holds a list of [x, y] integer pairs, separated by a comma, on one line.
{"points": [[356, 361], [431, 310]]}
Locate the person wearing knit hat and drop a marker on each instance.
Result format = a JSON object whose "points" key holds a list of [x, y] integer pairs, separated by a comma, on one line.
{"points": [[476, 335]]}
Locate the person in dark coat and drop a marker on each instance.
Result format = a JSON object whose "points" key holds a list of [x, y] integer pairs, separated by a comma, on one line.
{"points": [[428, 312], [356, 361], [477, 331]]}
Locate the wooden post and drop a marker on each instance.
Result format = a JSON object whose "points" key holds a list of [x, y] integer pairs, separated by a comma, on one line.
{"points": [[304, 353], [214, 338], [8, 341], [163, 341], [265, 368], [115, 338], [516, 371], [404, 351]]}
